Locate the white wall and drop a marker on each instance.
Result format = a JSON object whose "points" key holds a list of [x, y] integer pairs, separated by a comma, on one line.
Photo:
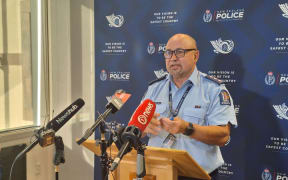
{"points": [[71, 41], [72, 67]]}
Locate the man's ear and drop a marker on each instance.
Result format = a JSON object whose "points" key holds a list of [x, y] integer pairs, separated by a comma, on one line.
{"points": [[196, 55]]}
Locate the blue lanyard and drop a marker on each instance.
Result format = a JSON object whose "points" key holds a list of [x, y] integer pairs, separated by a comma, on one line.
{"points": [[175, 113]]}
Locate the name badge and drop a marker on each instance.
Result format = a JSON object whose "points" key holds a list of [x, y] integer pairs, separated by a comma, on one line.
{"points": [[169, 141]]}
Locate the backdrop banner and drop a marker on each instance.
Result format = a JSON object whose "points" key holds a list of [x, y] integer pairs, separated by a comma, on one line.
{"points": [[244, 43]]}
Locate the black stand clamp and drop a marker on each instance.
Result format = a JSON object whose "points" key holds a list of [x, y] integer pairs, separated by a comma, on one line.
{"points": [[59, 154]]}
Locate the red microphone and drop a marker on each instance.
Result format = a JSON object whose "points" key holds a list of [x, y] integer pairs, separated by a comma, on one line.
{"points": [[132, 133], [143, 114]]}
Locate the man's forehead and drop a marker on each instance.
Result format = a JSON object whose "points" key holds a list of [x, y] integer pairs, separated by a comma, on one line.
{"points": [[181, 41], [179, 44]]}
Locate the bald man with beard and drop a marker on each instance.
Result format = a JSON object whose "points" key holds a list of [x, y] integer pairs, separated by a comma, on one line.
{"points": [[194, 111]]}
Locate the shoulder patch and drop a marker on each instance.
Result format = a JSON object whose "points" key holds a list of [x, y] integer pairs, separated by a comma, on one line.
{"points": [[218, 81], [157, 80], [224, 98]]}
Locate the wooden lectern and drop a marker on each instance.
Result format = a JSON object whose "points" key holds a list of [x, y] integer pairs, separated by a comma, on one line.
{"points": [[161, 163]]}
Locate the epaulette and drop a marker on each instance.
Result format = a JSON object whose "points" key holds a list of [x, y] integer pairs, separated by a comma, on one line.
{"points": [[218, 81], [157, 80]]}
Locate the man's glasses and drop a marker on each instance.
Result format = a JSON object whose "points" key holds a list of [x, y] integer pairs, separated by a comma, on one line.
{"points": [[178, 53]]}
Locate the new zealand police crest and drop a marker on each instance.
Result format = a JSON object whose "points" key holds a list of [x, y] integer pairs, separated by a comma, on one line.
{"points": [[223, 47], [266, 175], [103, 75], [270, 78], [207, 17], [115, 21], [151, 48]]}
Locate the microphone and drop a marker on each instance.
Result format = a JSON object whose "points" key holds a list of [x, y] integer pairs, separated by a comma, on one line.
{"points": [[115, 137], [132, 133], [54, 125], [117, 101], [114, 105]]}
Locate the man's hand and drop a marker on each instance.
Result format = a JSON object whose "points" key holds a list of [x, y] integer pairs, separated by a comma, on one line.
{"points": [[154, 126], [175, 126]]}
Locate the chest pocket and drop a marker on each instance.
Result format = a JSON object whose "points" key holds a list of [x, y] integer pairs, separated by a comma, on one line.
{"points": [[161, 109], [194, 115]]}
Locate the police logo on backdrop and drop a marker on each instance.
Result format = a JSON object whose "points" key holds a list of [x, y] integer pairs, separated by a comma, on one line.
{"points": [[114, 76], [151, 48], [103, 75], [281, 111], [279, 79], [223, 47], [161, 48], [281, 176], [283, 79], [284, 8], [224, 15], [266, 175], [270, 78], [207, 17], [115, 21]]}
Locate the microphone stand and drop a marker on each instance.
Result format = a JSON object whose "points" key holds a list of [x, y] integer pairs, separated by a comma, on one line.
{"points": [[141, 169], [104, 161], [101, 118], [59, 154]]}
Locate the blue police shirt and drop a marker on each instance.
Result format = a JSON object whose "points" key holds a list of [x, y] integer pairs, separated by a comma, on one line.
{"points": [[207, 103]]}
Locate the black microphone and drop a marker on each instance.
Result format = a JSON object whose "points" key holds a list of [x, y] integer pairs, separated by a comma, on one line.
{"points": [[56, 123], [116, 102], [132, 133]]}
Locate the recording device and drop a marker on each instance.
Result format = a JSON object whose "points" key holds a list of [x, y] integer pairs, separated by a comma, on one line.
{"points": [[45, 135], [132, 133], [115, 104]]}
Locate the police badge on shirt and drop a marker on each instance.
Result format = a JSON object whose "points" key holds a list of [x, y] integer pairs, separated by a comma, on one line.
{"points": [[224, 98]]}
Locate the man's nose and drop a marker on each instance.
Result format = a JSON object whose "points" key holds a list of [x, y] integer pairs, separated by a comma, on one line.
{"points": [[174, 57]]}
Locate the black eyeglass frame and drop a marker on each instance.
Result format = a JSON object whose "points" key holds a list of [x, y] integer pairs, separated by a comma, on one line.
{"points": [[174, 52]]}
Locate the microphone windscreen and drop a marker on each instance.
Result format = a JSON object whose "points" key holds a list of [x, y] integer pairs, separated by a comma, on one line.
{"points": [[117, 101], [57, 122], [143, 114], [123, 96]]}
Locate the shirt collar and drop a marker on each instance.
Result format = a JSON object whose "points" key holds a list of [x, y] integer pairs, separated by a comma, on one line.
{"points": [[194, 77]]}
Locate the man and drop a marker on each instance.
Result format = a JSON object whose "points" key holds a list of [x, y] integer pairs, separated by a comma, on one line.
{"points": [[194, 111]]}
